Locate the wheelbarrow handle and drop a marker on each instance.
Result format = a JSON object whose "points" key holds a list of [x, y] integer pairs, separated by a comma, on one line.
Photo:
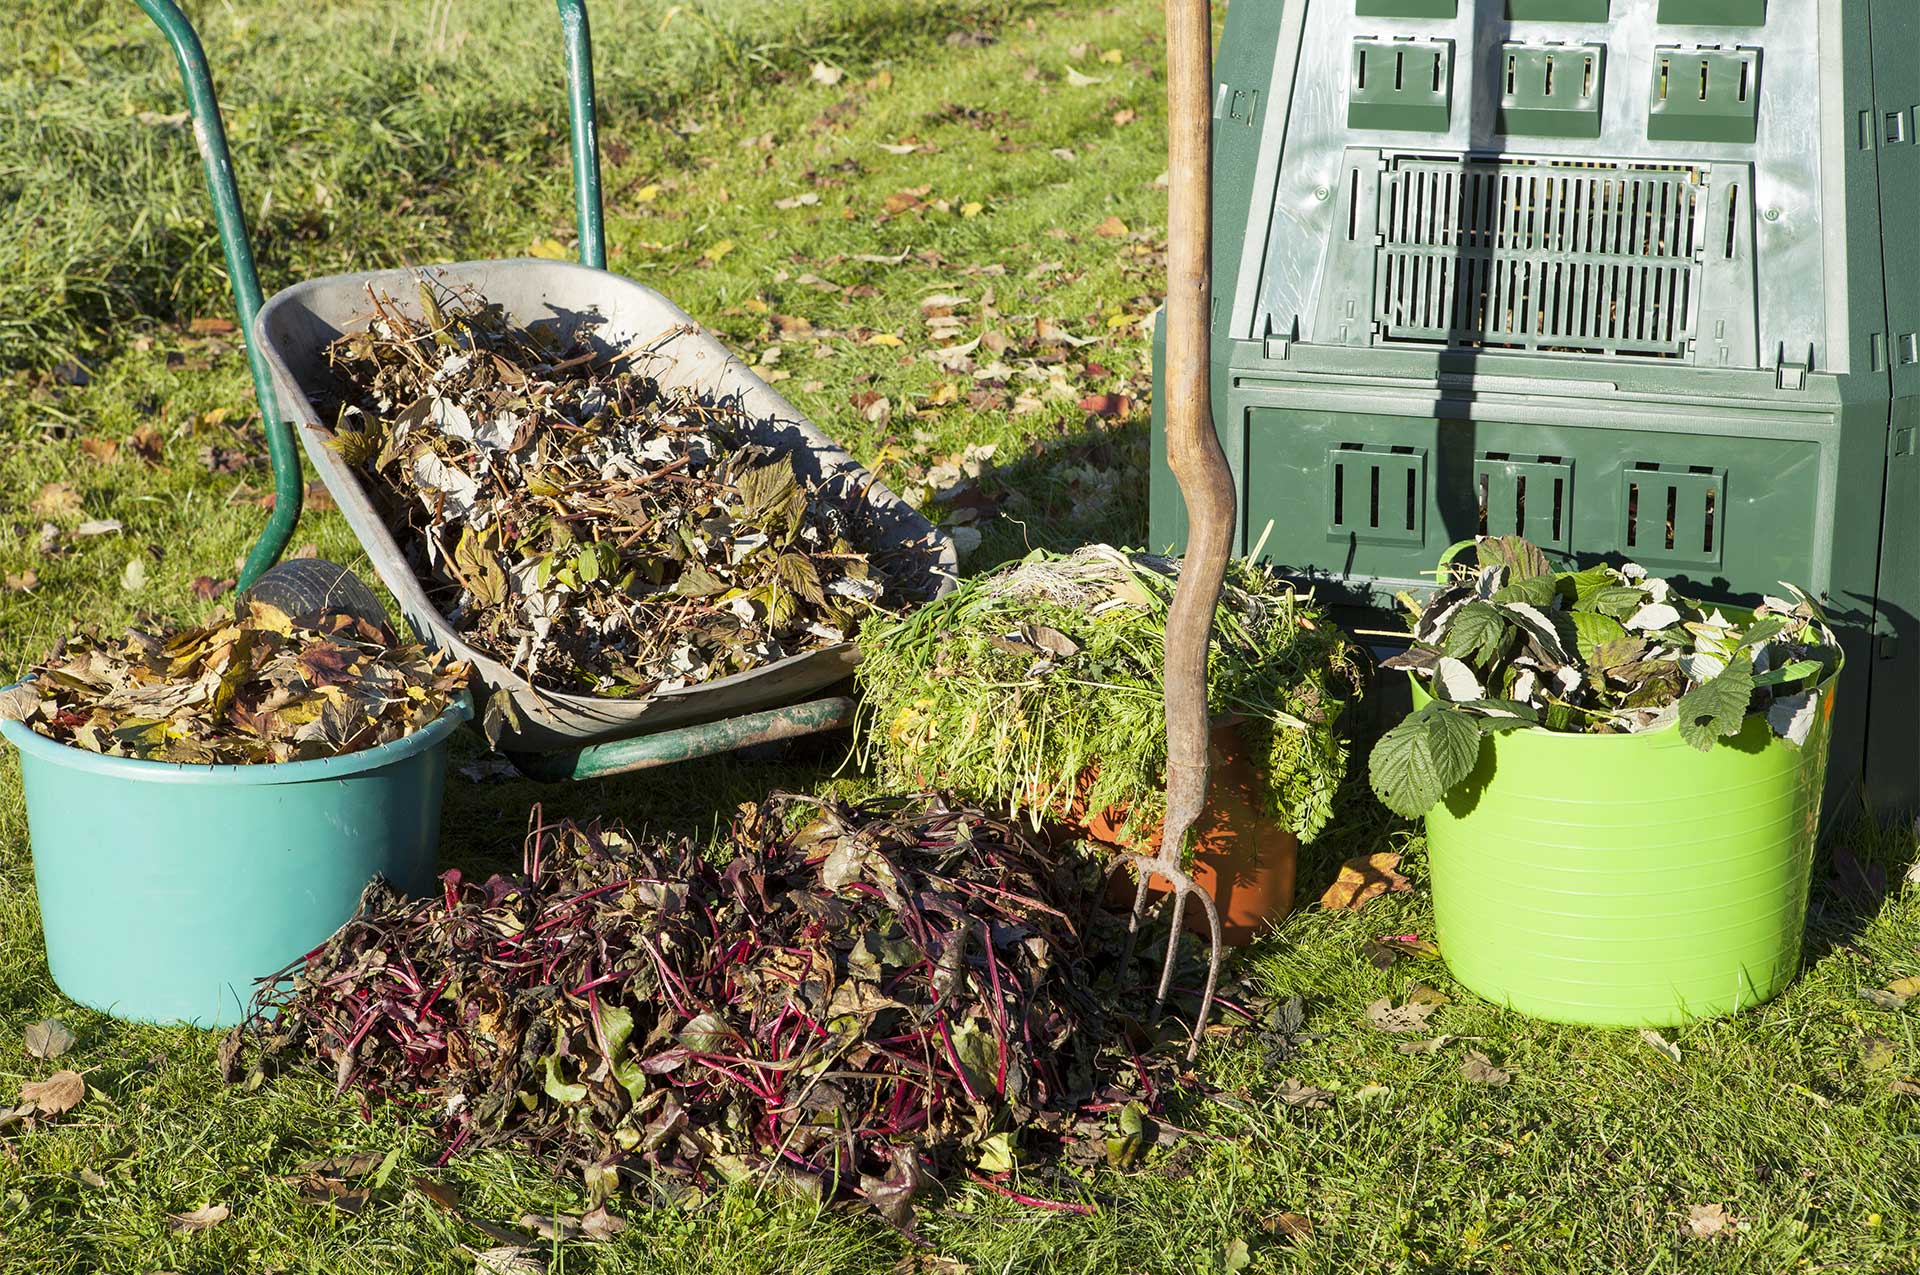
{"points": [[210, 135], [586, 133]]}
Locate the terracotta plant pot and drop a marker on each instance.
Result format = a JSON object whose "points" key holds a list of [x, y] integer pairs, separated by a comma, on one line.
{"points": [[1242, 855]]}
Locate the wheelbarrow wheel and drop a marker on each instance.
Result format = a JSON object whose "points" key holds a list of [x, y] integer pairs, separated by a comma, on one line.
{"points": [[308, 588]]}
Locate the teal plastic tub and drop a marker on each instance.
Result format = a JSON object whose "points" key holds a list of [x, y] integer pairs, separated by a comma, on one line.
{"points": [[1629, 880], [166, 890]]}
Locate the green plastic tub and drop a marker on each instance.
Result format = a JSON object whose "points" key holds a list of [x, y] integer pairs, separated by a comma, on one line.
{"points": [[1629, 880], [166, 889]]}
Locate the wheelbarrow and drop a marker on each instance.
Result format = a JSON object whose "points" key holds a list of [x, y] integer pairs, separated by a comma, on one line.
{"points": [[547, 735]]}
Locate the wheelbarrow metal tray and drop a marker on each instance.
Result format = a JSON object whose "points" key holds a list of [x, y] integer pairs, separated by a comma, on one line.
{"points": [[296, 326]]}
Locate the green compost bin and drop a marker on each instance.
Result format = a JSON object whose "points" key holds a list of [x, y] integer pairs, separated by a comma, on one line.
{"points": [[1629, 880], [167, 889]]}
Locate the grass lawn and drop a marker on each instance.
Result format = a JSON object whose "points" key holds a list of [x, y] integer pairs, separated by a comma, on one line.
{"points": [[999, 151]]}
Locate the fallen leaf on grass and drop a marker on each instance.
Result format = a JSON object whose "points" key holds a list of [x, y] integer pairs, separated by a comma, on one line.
{"points": [[807, 200], [21, 582], [1906, 1088], [48, 1038], [1363, 880], [1660, 1043], [56, 500], [1371, 1093], [1107, 406], [1295, 1094], [930, 1264], [206, 588], [210, 325], [1706, 1221], [826, 75], [1288, 1226], [1881, 998], [1410, 1017], [1383, 953], [1111, 228], [1080, 81], [57, 1094], [1908, 987], [1236, 1258], [100, 527], [1432, 1046], [134, 578], [509, 1259], [201, 1219], [1479, 1069], [90, 1177], [99, 450], [596, 1224], [1876, 1053], [149, 444]]}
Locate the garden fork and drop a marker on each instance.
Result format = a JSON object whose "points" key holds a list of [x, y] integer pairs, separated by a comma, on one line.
{"points": [[1206, 484]]}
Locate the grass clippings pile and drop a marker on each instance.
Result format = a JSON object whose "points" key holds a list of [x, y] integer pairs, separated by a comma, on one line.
{"points": [[584, 525], [865, 999], [261, 687], [1039, 685]]}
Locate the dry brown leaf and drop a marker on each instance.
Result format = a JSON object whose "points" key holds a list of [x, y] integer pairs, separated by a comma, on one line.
{"points": [[56, 501], [100, 450], [1288, 1226], [1295, 1094], [48, 1038], [1111, 228], [1363, 880], [1660, 1043], [1906, 1088], [509, 1259], [1479, 1069], [1705, 1221], [59, 1093], [204, 1218], [1410, 1017], [22, 581]]}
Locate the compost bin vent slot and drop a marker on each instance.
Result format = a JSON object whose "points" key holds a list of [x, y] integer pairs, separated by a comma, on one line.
{"points": [[1673, 514], [1590, 258], [1529, 496], [1377, 494]]}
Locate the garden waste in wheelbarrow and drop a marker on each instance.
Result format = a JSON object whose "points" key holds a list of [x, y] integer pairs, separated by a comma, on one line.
{"points": [[294, 330]]}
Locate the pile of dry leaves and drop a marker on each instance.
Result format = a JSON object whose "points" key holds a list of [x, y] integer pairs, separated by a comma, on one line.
{"points": [[262, 687], [865, 999], [594, 531]]}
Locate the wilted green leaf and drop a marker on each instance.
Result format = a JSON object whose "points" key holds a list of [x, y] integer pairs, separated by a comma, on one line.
{"points": [[1417, 762], [1716, 709]]}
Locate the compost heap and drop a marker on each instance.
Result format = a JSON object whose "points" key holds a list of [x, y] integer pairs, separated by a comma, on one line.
{"points": [[1039, 686], [865, 998], [585, 526], [261, 687], [1509, 643]]}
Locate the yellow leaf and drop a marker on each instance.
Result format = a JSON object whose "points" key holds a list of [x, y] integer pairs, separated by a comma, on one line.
{"points": [[1111, 55], [648, 193], [1905, 986], [756, 305], [1122, 321], [716, 251], [971, 209], [551, 249], [1111, 228], [886, 339]]}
